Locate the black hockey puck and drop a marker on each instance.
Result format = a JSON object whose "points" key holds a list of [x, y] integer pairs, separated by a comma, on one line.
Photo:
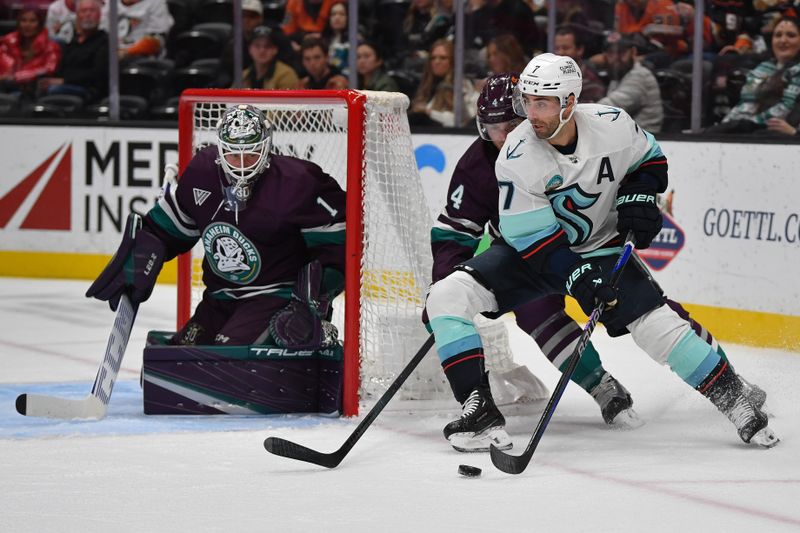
{"points": [[469, 471]]}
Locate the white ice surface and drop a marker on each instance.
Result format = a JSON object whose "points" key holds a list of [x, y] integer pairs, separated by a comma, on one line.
{"points": [[685, 470]]}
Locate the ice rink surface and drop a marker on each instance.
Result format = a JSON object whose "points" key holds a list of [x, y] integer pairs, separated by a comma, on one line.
{"points": [[684, 470]]}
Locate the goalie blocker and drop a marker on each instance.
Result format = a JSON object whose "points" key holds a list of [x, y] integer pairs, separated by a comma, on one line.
{"points": [[258, 379]]}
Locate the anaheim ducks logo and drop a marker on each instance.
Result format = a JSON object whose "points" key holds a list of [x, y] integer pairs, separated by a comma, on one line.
{"points": [[230, 254]]}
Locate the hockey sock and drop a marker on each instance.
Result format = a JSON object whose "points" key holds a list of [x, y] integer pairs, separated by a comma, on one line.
{"points": [[698, 328], [589, 370], [461, 353], [694, 361], [465, 372]]}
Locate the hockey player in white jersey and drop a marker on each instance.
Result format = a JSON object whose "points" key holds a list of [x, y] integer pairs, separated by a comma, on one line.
{"points": [[573, 179]]}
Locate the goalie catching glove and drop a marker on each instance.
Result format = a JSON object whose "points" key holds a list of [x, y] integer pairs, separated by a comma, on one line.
{"points": [[588, 286], [301, 325], [134, 267], [637, 211]]}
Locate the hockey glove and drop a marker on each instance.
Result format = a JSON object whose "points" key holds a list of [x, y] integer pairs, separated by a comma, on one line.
{"points": [[637, 211], [588, 286], [301, 325], [134, 267]]}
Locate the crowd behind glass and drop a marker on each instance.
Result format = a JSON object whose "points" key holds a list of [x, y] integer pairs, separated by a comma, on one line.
{"points": [[635, 54]]}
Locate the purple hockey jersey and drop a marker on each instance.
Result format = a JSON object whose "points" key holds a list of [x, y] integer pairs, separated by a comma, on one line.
{"points": [[296, 213], [471, 204]]}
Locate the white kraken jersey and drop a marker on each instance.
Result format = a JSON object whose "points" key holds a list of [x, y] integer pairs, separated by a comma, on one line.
{"points": [[543, 191]]}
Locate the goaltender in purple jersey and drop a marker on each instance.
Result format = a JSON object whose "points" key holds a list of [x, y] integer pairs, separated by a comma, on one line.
{"points": [[268, 223]]}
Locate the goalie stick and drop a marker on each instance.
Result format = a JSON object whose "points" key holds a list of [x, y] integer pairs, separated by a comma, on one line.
{"points": [[285, 448], [95, 404], [516, 464]]}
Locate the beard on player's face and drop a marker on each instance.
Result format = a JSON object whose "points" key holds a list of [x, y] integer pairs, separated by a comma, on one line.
{"points": [[543, 128]]}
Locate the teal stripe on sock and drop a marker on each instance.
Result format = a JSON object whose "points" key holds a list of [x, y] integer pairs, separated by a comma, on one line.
{"points": [[589, 370], [454, 335], [692, 359]]}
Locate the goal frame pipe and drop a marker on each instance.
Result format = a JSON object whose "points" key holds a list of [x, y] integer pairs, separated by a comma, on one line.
{"points": [[356, 104]]}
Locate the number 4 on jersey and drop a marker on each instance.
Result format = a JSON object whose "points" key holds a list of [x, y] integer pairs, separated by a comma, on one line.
{"points": [[457, 197]]}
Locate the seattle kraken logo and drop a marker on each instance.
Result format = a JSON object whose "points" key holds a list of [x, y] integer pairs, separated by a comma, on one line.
{"points": [[611, 111], [511, 152], [568, 204]]}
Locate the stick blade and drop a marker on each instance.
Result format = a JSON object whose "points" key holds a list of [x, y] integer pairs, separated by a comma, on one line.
{"points": [[510, 464], [62, 408], [291, 450]]}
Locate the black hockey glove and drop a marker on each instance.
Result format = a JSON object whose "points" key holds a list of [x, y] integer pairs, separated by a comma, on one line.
{"points": [[588, 286], [637, 211], [302, 324], [134, 267]]}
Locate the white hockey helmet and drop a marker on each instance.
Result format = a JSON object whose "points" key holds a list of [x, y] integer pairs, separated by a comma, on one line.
{"points": [[549, 75], [244, 141]]}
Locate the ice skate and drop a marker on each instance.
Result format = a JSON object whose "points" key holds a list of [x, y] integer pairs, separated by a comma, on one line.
{"points": [[756, 395], [480, 425], [730, 395], [616, 404]]}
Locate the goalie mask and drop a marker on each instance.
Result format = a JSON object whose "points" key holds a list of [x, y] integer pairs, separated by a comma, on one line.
{"points": [[549, 75], [496, 117], [244, 140]]}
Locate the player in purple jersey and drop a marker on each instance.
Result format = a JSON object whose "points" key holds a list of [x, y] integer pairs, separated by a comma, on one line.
{"points": [[472, 205], [272, 229]]}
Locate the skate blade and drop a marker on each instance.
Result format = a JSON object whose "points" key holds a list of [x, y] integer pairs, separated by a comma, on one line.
{"points": [[765, 438], [627, 419], [479, 442]]}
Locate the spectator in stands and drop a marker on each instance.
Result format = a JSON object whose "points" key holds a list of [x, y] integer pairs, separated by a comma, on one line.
{"points": [[60, 21], [27, 54], [659, 21], [425, 22], [371, 74], [252, 17], [781, 127], [84, 64], [267, 71], [568, 42], [772, 88], [728, 20], [336, 36], [433, 102], [320, 74], [142, 27], [305, 16], [487, 18], [633, 87], [504, 54]]}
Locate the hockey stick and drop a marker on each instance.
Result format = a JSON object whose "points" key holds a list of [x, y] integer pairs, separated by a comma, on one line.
{"points": [[285, 448], [95, 404], [516, 464]]}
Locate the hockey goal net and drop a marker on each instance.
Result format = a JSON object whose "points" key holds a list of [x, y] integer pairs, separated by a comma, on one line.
{"points": [[362, 139]]}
